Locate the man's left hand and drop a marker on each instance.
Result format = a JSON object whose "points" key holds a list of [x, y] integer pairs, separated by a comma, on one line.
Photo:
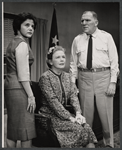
{"points": [[111, 89]]}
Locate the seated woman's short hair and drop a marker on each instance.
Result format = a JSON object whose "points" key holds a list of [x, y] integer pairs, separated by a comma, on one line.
{"points": [[51, 52]]}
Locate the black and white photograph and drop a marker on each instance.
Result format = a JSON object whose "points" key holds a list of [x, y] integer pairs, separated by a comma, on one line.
{"points": [[61, 74]]}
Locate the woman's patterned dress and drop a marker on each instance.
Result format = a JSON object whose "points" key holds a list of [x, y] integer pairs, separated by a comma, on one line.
{"points": [[69, 134]]}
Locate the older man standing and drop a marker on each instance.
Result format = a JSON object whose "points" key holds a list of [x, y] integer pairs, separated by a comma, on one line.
{"points": [[94, 62]]}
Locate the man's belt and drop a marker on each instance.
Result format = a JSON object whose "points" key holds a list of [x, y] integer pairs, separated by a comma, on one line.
{"points": [[94, 69]]}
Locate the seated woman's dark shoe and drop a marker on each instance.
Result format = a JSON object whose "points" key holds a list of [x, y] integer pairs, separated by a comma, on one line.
{"points": [[90, 145], [108, 146]]}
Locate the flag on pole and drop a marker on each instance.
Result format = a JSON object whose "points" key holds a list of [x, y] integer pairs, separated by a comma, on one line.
{"points": [[54, 40]]}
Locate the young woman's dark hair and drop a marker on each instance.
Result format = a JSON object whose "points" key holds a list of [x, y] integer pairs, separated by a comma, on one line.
{"points": [[20, 18]]}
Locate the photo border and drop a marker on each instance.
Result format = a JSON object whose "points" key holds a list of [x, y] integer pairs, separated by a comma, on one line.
{"points": [[1, 56]]}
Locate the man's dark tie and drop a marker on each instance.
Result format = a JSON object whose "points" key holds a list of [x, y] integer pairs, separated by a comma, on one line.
{"points": [[89, 53]]}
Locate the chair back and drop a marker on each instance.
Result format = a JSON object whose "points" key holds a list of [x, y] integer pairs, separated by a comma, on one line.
{"points": [[37, 94]]}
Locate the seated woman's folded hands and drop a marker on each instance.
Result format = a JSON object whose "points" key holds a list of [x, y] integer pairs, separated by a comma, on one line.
{"points": [[72, 119], [80, 119]]}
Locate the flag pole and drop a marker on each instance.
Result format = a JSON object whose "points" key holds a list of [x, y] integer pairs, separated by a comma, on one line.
{"points": [[54, 4]]}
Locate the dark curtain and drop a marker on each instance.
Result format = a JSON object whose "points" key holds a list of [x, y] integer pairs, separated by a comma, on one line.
{"points": [[38, 48]]}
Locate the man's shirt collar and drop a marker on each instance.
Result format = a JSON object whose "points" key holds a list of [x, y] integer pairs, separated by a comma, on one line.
{"points": [[93, 35]]}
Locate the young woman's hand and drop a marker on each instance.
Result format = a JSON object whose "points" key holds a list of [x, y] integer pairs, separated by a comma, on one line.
{"points": [[31, 104], [31, 99]]}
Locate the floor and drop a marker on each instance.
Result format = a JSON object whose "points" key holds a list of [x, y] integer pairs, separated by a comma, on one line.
{"points": [[99, 145], [116, 141]]}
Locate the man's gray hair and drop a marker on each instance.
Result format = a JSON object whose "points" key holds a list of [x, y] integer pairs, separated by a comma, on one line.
{"points": [[93, 13]]}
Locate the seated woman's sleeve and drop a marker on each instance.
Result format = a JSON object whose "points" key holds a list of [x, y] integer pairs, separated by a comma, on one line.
{"points": [[22, 62], [74, 101], [52, 99]]}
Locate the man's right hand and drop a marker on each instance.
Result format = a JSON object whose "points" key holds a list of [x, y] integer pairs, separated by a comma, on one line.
{"points": [[75, 87]]}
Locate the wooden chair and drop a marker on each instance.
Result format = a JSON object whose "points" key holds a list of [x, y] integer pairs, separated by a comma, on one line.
{"points": [[46, 136]]}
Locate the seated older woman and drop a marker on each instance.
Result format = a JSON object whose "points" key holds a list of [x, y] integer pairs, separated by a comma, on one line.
{"points": [[72, 131]]}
